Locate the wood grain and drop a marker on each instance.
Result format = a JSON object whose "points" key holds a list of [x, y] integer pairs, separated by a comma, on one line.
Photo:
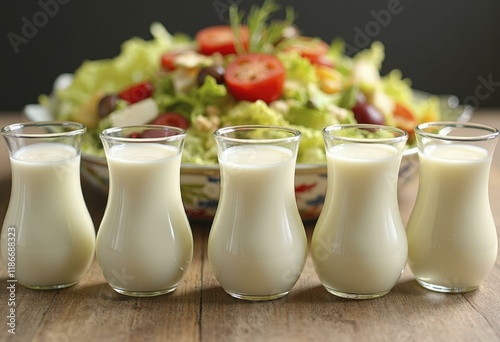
{"points": [[199, 310]]}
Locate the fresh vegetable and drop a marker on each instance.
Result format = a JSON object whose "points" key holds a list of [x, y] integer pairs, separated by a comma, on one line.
{"points": [[107, 104], [264, 35], [367, 113], [256, 70], [137, 92], [313, 49], [220, 39], [216, 71], [168, 60], [255, 76], [405, 120], [171, 119]]}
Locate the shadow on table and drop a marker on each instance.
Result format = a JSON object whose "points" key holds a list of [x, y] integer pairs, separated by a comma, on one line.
{"points": [[404, 294], [106, 296]]}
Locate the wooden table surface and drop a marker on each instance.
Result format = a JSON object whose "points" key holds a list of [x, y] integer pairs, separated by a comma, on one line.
{"points": [[199, 310]]}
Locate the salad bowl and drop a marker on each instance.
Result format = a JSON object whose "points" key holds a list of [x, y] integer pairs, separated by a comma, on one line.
{"points": [[200, 184], [258, 71]]}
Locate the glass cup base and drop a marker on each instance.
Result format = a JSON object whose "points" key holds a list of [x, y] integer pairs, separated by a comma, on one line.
{"points": [[348, 295], [445, 289], [143, 293], [256, 298], [49, 287]]}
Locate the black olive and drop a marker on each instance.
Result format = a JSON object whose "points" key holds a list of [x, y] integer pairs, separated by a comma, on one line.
{"points": [[106, 105], [216, 71]]}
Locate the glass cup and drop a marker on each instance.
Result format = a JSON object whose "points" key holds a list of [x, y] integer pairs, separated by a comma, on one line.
{"points": [[359, 246], [48, 237], [451, 233], [144, 242], [257, 245]]}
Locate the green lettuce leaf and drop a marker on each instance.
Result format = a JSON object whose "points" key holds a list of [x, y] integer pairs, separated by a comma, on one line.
{"points": [[256, 113], [138, 61]]}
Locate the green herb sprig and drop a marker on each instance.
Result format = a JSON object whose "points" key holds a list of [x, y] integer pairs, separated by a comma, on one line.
{"points": [[263, 33]]}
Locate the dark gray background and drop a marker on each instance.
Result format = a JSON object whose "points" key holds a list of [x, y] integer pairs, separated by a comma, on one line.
{"points": [[444, 47]]}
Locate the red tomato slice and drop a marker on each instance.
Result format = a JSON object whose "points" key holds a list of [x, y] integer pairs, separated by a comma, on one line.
{"points": [[405, 119], [255, 76], [168, 60], [220, 39], [137, 92], [172, 119], [313, 49]]}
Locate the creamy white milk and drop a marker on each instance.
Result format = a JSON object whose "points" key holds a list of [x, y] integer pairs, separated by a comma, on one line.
{"points": [[257, 245], [144, 243], [54, 232], [451, 233], [359, 244]]}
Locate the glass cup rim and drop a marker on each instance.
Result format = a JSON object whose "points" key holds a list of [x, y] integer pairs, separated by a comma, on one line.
{"points": [[446, 125], [295, 134], [15, 130], [180, 133], [402, 134]]}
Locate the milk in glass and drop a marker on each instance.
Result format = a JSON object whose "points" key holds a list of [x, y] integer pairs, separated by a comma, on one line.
{"points": [[54, 231], [144, 243], [450, 244], [257, 245], [359, 246]]}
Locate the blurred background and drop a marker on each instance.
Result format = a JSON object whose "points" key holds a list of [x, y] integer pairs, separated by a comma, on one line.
{"points": [[444, 47]]}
